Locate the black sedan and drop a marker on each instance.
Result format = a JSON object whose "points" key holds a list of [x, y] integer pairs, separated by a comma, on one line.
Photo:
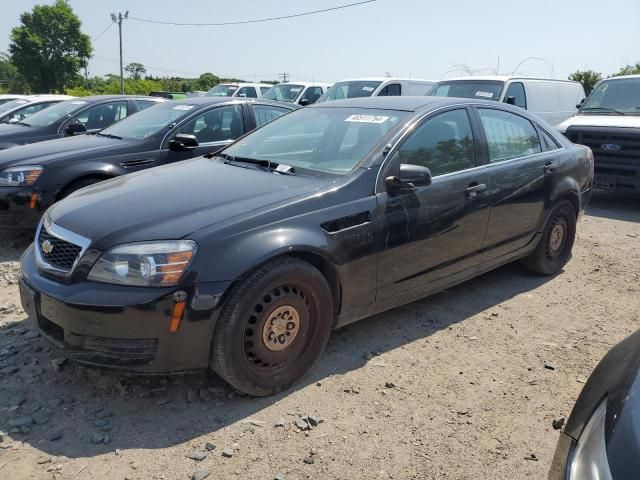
{"points": [[73, 117], [34, 176], [243, 262], [601, 440]]}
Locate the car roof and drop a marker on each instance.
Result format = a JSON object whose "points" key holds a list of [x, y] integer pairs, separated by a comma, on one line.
{"points": [[504, 78], [47, 98], [245, 84], [229, 100], [405, 103], [384, 79], [97, 98], [621, 77], [305, 84]]}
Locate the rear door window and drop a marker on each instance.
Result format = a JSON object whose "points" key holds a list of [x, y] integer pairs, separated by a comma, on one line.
{"points": [[265, 113], [508, 135], [142, 104]]}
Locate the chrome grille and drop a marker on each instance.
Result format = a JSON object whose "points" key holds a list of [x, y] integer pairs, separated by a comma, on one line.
{"points": [[60, 253]]}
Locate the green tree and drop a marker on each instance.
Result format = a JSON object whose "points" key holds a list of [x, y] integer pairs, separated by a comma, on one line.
{"points": [[588, 79], [48, 48], [135, 70], [8, 73], [628, 70], [205, 82]]}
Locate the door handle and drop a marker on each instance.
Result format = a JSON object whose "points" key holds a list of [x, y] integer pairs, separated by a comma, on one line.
{"points": [[475, 188], [550, 167]]}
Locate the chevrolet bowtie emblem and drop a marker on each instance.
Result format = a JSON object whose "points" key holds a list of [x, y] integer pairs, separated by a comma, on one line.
{"points": [[47, 247]]}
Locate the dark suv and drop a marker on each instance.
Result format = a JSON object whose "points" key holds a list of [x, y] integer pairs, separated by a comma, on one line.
{"points": [[244, 261]]}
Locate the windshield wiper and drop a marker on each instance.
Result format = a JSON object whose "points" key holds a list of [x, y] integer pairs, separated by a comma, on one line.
{"points": [[109, 135], [21, 123], [269, 165], [603, 109]]}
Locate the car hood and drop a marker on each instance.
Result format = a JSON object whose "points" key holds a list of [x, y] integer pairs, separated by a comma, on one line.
{"points": [[630, 121], [9, 134], [173, 201], [42, 153], [617, 377]]}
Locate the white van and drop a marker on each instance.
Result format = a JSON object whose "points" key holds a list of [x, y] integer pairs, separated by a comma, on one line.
{"points": [[377, 87], [300, 93], [550, 99], [244, 90]]}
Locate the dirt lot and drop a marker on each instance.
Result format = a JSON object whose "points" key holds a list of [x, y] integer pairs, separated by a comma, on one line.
{"points": [[451, 387]]}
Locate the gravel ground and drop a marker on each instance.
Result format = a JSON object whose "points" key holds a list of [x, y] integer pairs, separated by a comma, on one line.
{"points": [[450, 387]]}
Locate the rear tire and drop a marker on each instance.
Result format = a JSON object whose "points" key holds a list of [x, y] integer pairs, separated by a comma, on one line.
{"points": [[273, 328], [554, 248]]}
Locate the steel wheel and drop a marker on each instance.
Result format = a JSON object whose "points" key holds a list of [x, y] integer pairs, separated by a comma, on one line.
{"points": [[273, 327]]}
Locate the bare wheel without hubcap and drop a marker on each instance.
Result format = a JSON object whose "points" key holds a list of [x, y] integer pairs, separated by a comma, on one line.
{"points": [[553, 250], [557, 237], [273, 327], [277, 328]]}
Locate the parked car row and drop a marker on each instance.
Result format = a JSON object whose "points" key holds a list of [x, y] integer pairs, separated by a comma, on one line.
{"points": [[209, 243], [17, 109]]}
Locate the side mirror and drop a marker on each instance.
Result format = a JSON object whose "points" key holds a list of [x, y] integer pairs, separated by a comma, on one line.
{"points": [[411, 176], [579, 105], [511, 100], [304, 102], [183, 142], [75, 128]]}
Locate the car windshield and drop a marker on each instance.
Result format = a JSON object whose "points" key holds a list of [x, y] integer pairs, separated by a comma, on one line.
{"points": [[5, 107], [353, 89], [478, 89], [52, 114], [149, 121], [329, 140], [222, 90], [614, 97], [283, 93]]}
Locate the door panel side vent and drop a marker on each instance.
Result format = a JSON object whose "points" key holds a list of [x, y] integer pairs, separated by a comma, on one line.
{"points": [[343, 223]]}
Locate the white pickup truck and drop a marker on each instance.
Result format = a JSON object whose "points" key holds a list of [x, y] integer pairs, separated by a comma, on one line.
{"points": [[608, 122]]}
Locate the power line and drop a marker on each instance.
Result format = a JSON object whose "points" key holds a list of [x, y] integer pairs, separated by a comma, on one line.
{"points": [[102, 33], [243, 22]]}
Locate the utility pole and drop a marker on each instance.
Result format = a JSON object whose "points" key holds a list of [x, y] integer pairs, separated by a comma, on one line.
{"points": [[118, 19], [284, 77]]}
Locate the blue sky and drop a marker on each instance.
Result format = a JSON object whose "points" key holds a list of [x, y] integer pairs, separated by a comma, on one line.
{"points": [[417, 38]]}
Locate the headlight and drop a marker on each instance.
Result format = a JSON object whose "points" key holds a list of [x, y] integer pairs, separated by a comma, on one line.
{"points": [[590, 456], [20, 176], [149, 264]]}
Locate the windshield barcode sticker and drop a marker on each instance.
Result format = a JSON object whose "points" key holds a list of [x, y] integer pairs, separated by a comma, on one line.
{"points": [[367, 118], [183, 107], [367, 89], [484, 94]]}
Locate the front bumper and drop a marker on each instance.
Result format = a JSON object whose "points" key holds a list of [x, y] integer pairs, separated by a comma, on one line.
{"points": [[121, 327], [15, 208]]}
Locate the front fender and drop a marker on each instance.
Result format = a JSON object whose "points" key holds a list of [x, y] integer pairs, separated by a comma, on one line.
{"points": [[235, 257]]}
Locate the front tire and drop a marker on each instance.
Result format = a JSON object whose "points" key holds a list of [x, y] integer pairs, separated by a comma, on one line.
{"points": [[273, 327], [554, 248]]}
